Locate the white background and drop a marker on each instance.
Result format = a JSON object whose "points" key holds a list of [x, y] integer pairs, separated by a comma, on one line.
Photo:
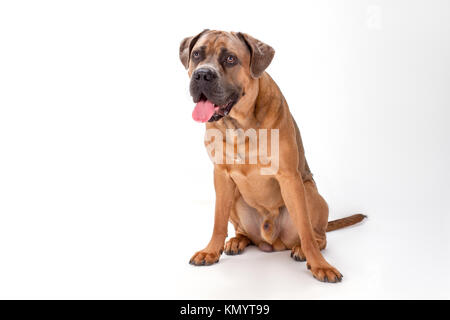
{"points": [[105, 187]]}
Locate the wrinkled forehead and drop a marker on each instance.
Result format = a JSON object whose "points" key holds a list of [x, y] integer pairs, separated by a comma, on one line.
{"points": [[216, 42]]}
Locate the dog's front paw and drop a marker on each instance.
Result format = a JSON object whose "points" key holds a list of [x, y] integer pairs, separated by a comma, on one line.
{"points": [[205, 258], [325, 273]]}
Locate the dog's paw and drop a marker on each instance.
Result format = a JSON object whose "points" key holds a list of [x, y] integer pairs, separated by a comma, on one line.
{"points": [[236, 245], [205, 258], [325, 273], [297, 253]]}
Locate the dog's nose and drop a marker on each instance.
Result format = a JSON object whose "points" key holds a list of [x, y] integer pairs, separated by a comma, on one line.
{"points": [[204, 74]]}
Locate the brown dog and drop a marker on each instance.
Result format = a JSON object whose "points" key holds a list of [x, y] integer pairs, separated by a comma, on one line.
{"points": [[276, 211]]}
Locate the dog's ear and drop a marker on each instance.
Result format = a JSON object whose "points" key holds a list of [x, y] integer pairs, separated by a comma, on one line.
{"points": [[261, 54], [186, 47]]}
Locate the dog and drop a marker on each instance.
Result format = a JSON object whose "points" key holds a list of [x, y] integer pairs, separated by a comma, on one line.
{"points": [[279, 210]]}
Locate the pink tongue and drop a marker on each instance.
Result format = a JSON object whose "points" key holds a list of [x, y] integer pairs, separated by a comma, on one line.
{"points": [[203, 111]]}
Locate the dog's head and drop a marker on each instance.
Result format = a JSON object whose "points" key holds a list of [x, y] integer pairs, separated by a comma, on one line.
{"points": [[223, 67]]}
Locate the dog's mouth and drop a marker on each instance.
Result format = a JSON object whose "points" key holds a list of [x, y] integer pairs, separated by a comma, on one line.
{"points": [[207, 111]]}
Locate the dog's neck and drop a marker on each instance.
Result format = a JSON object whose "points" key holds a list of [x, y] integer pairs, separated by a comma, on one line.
{"points": [[253, 109]]}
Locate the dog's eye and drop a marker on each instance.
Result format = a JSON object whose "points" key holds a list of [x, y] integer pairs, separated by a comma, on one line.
{"points": [[196, 54], [231, 59]]}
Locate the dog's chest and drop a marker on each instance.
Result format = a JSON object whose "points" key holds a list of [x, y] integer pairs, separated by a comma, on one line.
{"points": [[259, 191]]}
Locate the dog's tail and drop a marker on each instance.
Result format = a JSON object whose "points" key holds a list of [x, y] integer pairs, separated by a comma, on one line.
{"points": [[345, 222]]}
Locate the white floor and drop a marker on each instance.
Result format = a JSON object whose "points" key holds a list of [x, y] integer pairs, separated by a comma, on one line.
{"points": [[380, 259], [145, 256]]}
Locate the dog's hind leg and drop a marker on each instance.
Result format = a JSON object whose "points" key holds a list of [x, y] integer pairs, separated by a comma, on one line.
{"points": [[236, 245], [297, 253]]}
